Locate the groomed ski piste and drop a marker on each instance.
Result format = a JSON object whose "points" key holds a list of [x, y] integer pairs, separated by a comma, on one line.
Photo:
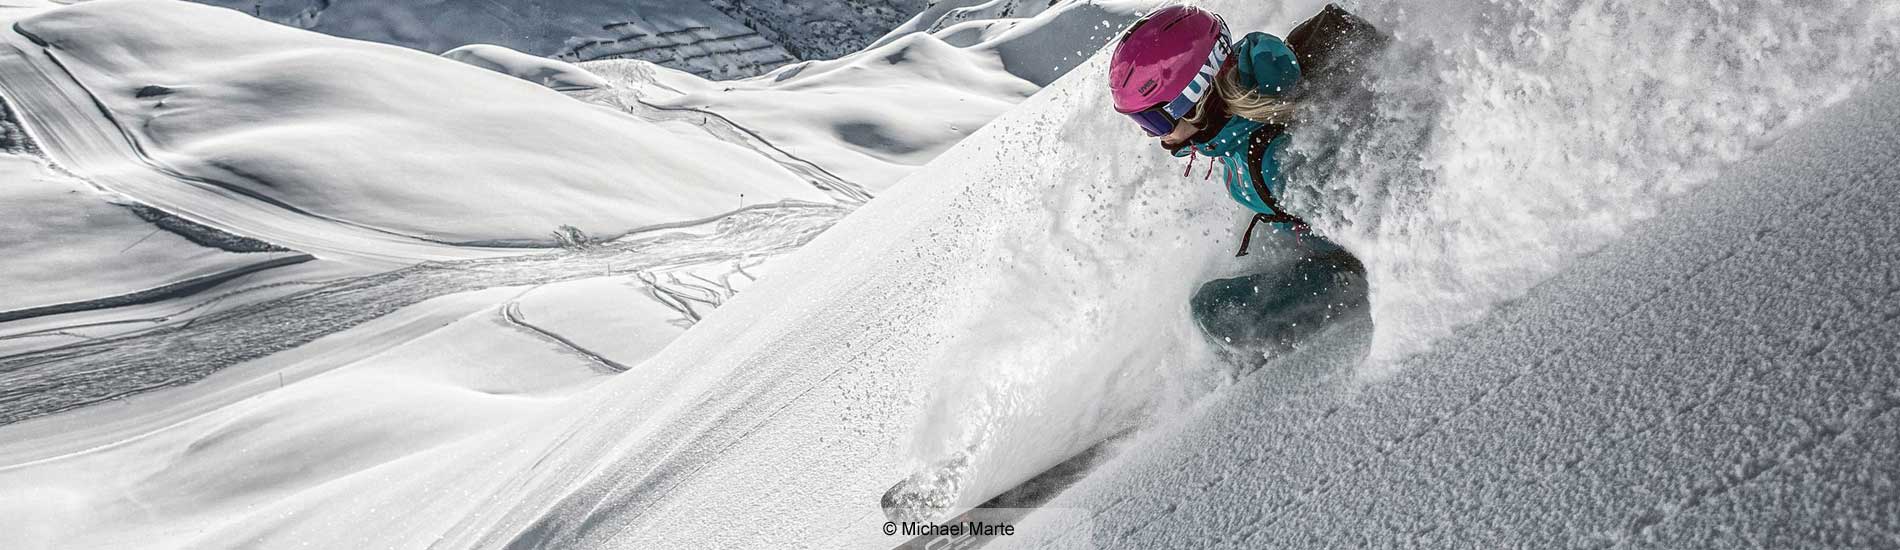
{"points": [[1632, 270]]}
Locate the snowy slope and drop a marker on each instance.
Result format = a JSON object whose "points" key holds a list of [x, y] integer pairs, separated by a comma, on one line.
{"points": [[1037, 42], [871, 118], [865, 121], [688, 35], [1714, 380], [68, 243], [555, 74], [84, 263], [306, 123], [1025, 293], [922, 96], [375, 378], [717, 39], [911, 83]]}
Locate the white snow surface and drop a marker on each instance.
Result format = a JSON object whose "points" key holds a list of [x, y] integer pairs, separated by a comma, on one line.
{"points": [[874, 117], [919, 88], [310, 121], [716, 39], [67, 242], [690, 35], [267, 451], [1024, 294], [558, 75], [1037, 42], [81, 264], [871, 119]]}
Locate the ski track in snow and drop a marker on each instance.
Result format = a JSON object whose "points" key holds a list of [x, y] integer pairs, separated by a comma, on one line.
{"points": [[155, 294], [76, 375], [511, 312], [724, 128]]}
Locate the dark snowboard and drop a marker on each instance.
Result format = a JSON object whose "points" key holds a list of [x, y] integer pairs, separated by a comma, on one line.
{"points": [[1256, 316]]}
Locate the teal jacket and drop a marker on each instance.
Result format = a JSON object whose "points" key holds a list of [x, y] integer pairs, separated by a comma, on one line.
{"points": [[1265, 63]]}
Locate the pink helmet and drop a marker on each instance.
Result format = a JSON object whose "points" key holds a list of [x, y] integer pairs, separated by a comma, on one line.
{"points": [[1165, 63]]}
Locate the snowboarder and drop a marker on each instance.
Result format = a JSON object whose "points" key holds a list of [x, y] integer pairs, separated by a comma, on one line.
{"points": [[1180, 76]]}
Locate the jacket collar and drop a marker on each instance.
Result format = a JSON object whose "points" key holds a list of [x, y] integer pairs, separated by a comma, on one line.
{"points": [[1230, 139]]}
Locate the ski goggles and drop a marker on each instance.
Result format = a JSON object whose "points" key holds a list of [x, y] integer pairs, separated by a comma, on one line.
{"points": [[1160, 120]]}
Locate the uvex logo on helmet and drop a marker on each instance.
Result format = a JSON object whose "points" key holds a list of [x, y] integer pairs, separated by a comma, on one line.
{"points": [[1174, 53]]}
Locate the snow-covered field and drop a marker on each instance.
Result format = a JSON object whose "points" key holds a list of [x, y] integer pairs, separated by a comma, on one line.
{"points": [[288, 174], [718, 39], [868, 120], [308, 122], [69, 244], [258, 182], [1630, 279]]}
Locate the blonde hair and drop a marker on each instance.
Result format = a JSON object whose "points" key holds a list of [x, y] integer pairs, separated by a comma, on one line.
{"points": [[1245, 102]]}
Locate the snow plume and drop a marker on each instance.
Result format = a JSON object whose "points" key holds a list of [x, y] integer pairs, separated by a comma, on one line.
{"points": [[1508, 138], [1073, 323], [1501, 143]]}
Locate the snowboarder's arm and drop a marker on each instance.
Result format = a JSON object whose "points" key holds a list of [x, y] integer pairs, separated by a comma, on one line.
{"points": [[1270, 172], [1265, 160]]}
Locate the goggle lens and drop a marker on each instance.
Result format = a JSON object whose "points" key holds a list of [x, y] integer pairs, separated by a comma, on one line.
{"points": [[1154, 121]]}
